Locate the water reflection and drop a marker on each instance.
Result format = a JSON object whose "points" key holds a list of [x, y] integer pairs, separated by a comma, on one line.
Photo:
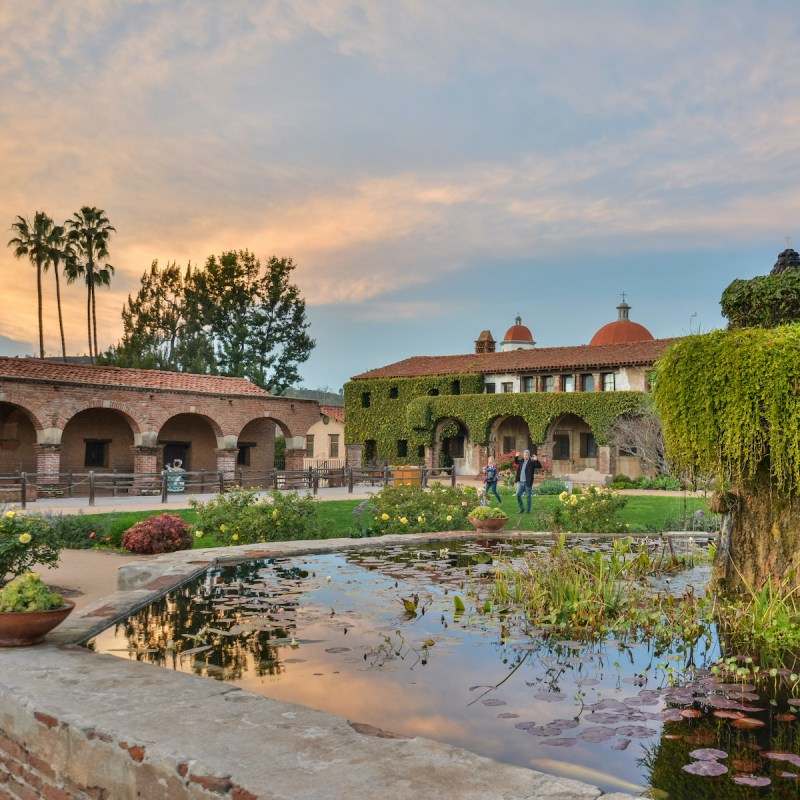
{"points": [[376, 637]]}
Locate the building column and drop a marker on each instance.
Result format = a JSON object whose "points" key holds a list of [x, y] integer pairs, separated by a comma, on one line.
{"points": [[607, 459], [598, 381], [48, 467], [353, 455], [294, 458], [226, 462], [146, 476]]}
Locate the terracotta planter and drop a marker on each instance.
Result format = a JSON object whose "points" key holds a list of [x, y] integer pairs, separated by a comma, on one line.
{"points": [[23, 628], [490, 524]]}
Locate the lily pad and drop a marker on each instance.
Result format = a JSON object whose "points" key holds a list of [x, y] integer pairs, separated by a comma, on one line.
{"points": [[708, 754], [751, 780], [708, 769]]}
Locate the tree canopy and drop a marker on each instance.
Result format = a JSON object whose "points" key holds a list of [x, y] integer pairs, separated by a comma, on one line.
{"points": [[234, 316]]}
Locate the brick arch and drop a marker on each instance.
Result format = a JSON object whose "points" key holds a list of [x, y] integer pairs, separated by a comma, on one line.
{"points": [[191, 410], [137, 422], [285, 430], [34, 413]]}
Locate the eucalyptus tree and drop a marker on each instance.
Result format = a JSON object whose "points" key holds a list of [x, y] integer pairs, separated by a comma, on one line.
{"points": [[89, 233], [33, 242]]}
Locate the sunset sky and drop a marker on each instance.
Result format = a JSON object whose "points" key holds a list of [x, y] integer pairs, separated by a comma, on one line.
{"points": [[434, 167]]}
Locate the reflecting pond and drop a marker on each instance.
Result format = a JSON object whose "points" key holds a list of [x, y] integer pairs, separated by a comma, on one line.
{"points": [[376, 637]]}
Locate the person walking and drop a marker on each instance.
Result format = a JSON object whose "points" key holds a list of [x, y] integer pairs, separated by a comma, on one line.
{"points": [[491, 476], [525, 472]]}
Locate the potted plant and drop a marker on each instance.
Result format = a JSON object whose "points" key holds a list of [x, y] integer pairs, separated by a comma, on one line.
{"points": [[487, 518], [28, 608]]}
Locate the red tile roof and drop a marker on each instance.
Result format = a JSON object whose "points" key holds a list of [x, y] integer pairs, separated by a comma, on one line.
{"points": [[581, 357], [36, 370], [334, 412]]}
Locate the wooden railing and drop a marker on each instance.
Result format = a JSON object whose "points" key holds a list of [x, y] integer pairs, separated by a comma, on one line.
{"points": [[22, 487]]}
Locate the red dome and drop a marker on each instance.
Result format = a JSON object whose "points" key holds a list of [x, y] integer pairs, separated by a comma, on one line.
{"points": [[621, 331], [518, 333]]}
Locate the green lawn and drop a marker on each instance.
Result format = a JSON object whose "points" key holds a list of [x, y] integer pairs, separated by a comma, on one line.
{"points": [[643, 513]]}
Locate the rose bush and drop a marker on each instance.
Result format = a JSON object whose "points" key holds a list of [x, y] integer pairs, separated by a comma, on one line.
{"points": [[25, 540]]}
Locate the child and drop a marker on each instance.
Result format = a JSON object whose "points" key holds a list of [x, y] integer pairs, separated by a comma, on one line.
{"points": [[491, 479]]}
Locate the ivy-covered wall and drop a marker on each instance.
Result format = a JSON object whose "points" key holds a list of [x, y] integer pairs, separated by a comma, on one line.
{"points": [[412, 415], [729, 400]]}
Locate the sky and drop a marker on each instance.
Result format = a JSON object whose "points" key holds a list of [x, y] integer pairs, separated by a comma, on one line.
{"points": [[434, 167]]}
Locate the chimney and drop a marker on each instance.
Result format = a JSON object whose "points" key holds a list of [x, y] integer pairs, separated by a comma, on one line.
{"points": [[485, 343]]}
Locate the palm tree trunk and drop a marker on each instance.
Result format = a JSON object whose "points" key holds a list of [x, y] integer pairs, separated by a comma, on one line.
{"points": [[89, 319], [39, 293], [60, 317], [94, 318]]}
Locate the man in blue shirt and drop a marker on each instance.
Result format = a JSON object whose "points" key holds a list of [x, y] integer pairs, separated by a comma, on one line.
{"points": [[525, 472]]}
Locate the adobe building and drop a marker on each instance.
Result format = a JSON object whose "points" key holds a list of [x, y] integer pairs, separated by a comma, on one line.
{"points": [[460, 409], [59, 417]]}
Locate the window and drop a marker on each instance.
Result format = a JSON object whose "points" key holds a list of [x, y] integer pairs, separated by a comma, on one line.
{"points": [[455, 387], [587, 383], [529, 384], [96, 452], [489, 388], [509, 444], [245, 451], [608, 381], [455, 446], [567, 383], [421, 451], [394, 393], [333, 445], [588, 446], [549, 383], [507, 386], [310, 445], [366, 400], [433, 392], [370, 452], [402, 448], [560, 446]]}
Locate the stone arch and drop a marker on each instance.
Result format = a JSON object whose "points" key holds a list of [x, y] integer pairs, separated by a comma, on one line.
{"points": [[452, 445], [19, 434], [509, 433], [195, 438], [573, 451], [99, 438], [138, 424], [256, 442]]}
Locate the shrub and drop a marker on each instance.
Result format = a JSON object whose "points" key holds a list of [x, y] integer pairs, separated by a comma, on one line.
{"points": [[622, 482], [412, 509], [593, 511], [666, 482], [25, 540], [28, 592], [164, 533], [74, 532], [241, 517], [487, 512], [550, 486]]}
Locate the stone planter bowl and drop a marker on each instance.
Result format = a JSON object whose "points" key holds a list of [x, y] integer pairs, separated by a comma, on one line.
{"points": [[24, 628], [490, 524]]}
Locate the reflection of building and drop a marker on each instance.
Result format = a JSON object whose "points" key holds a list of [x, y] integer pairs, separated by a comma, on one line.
{"points": [[325, 440], [57, 418], [557, 400]]}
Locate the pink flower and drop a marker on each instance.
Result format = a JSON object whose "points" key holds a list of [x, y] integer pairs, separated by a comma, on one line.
{"points": [[108, 538], [464, 503], [91, 535]]}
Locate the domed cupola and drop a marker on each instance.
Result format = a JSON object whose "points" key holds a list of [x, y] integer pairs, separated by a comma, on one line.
{"points": [[518, 337], [788, 259], [622, 330]]}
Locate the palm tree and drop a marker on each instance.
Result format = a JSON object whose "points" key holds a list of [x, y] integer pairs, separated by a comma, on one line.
{"points": [[61, 249], [89, 232], [33, 241]]}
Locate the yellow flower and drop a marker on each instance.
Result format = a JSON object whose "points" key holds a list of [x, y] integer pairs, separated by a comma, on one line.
{"points": [[198, 534], [403, 521], [384, 517], [223, 527], [278, 524], [563, 496], [449, 518], [25, 538], [10, 514], [573, 500], [275, 514], [420, 519], [235, 537]]}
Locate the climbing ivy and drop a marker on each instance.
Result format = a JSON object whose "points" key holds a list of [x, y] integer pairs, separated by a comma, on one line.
{"points": [[729, 403], [764, 301], [410, 408]]}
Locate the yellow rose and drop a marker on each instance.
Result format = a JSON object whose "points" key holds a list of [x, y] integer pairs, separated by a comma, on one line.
{"points": [[384, 517], [275, 514], [449, 518], [25, 538], [10, 514], [420, 519], [235, 537], [403, 521], [223, 527], [198, 534]]}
